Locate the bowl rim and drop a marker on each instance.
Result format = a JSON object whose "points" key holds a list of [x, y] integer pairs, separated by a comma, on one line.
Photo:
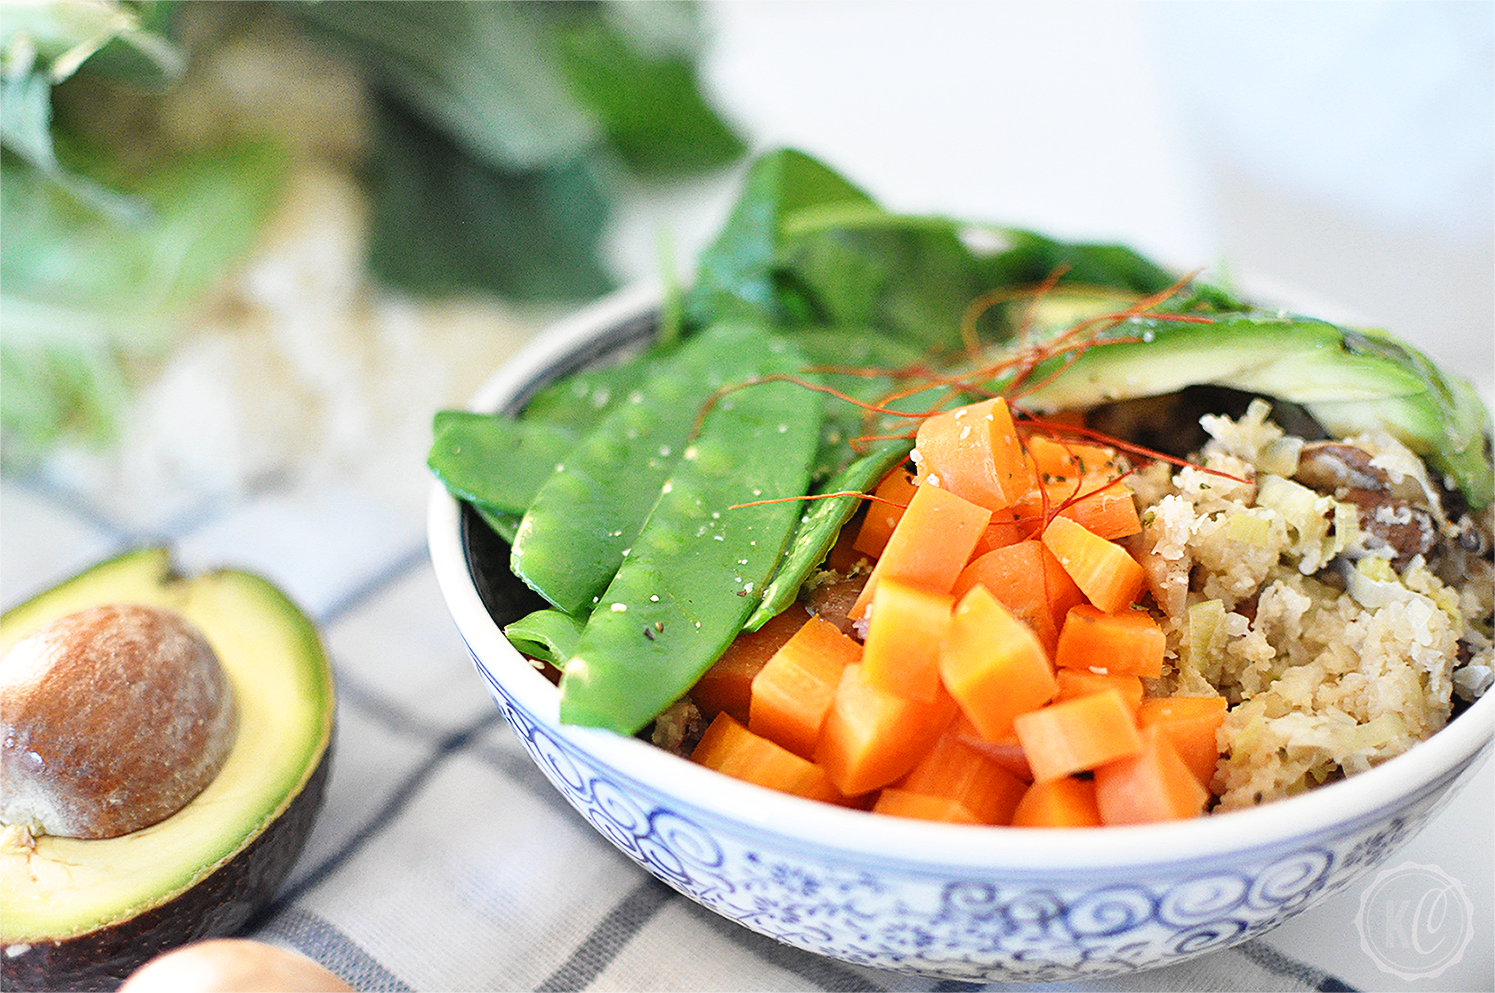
{"points": [[1283, 825]]}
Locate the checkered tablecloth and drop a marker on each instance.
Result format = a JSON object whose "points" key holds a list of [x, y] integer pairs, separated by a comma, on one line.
{"points": [[443, 860]]}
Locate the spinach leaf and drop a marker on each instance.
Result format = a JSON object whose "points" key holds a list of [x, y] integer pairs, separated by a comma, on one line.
{"points": [[739, 272], [479, 73], [502, 129], [645, 96], [445, 221]]}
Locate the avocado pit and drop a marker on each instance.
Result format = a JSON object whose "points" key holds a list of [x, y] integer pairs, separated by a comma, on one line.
{"points": [[112, 719]]}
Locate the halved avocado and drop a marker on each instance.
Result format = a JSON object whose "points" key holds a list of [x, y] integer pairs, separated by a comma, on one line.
{"points": [[83, 914], [1349, 380]]}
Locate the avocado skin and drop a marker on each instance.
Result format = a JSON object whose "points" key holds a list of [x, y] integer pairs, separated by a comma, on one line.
{"points": [[217, 907]]}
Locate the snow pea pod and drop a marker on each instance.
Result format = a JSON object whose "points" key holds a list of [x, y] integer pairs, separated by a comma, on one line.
{"points": [[584, 397], [589, 510], [821, 524], [546, 634], [493, 461], [698, 567]]}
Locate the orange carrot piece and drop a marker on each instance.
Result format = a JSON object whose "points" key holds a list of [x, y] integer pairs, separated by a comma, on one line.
{"points": [[892, 494], [902, 803], [1026, 579], [1082, 682], [1063, 459], [1105, 508], [954, 770], [727, 685], [1077, 735], [1153, 785], [872, 737], [1191, 723], [1063, 802], [974, 451], [1108, 576], [1006, 751], [1005, 529], [1126, 643], [1081, 482], [792, 693], [732, 749], [902, 650], [993, 664], [930, 545]]}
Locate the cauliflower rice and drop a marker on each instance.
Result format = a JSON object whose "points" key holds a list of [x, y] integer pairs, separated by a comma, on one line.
{"points": [[1323, 589]]}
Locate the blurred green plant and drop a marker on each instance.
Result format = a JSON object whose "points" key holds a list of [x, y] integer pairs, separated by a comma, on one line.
{"points": [[503, 135]]}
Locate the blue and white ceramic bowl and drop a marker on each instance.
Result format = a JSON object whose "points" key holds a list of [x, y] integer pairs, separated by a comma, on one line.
{"points": [[966, 903]]}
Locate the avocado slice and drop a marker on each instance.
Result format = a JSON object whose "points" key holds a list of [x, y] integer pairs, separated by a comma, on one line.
{"points": [[1349, 380], [83, 914]]}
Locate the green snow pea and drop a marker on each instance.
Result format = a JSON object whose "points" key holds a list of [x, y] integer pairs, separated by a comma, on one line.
{"points": [[546, 634], [493, 461], [699, 565], [588, 511], [839, 467], [584, 397], [821, 524]]}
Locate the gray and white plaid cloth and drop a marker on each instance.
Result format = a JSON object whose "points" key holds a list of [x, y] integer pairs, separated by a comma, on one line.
{"points": [[443, 860]]}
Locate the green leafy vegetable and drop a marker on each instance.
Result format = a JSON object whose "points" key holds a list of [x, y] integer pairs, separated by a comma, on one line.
{"points": [[804, 248], [82, 293], [42, 46], [445, 221], [502, 128]]}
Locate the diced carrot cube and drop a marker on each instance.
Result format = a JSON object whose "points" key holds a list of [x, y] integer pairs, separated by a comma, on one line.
{"points": [[930, 545], [1191, 723], [727, 685], [732, 749], [902, 803], [792, 693], [1055, 458], [1062, 802], [1082, 682], [1077, 735], [1104, 507], [1154, 784], [974, 451], [891, 496], [1005, 529], [993, 664], [955, 770], [1104, 571], [1027, 579], [1006, 751], [872, 737], [904, 630], [1127, 643]]}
